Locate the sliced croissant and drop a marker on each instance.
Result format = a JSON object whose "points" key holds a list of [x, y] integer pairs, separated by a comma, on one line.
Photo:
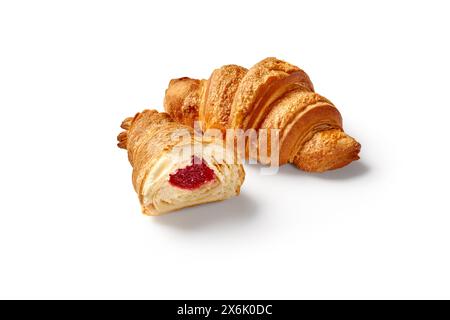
{"points": [[273, 94], [172, 168]]}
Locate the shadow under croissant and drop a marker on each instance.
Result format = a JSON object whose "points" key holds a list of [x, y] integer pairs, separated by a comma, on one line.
{"points": [[353, 170], [230, 212]]}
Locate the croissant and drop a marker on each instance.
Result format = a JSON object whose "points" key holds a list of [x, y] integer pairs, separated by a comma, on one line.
{"points": [[273, 94], [172, 168]]}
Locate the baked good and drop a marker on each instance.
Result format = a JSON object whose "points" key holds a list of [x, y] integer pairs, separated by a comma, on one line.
{"points": [[173, 168], [273, 94]]}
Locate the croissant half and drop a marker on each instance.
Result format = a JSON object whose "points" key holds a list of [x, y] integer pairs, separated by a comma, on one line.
{"points": [[273, 94], [172, 168]]}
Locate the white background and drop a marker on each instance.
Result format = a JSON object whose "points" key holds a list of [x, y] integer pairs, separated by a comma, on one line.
{"points": [[70, 222]]}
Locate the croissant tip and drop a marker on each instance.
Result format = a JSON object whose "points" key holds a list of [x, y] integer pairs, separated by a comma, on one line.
{"points": [[327, 150]]}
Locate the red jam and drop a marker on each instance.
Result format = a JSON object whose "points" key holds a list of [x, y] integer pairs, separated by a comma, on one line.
{"points": [[193, 176]]}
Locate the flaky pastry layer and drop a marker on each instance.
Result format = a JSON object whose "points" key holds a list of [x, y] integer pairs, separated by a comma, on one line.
{"points": [[158, 146], [273, 94]]}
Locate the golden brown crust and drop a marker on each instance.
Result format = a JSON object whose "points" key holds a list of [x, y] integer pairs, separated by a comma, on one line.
{"points": [[297, 81], [257, 80], [285, 109], [182, 99], [298, 115], [327, 150], [148, 137], [273, 94], [220, 90]]}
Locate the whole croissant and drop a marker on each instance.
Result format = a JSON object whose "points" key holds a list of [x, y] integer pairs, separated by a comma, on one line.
{"points": [[273, 94], [171, 173]]}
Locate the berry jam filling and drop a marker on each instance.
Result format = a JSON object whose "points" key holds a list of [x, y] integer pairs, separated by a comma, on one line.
{"points": [[193, 176]]}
